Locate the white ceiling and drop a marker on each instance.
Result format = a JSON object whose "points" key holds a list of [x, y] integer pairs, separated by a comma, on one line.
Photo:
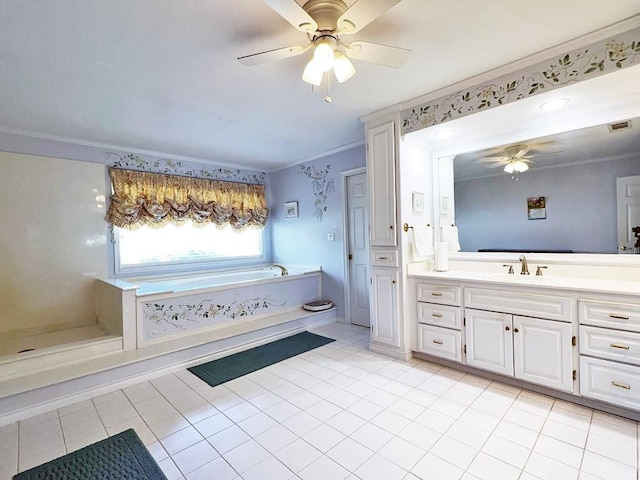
{"points": [[161, 76]]}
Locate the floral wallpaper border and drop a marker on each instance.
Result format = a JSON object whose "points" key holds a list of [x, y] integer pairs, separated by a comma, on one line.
{"points": [[174, 317], [323, 187], [597, 59], [177, 167]]}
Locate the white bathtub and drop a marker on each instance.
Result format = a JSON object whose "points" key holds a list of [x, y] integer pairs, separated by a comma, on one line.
{"points": [[171, 307], [150, 286]]}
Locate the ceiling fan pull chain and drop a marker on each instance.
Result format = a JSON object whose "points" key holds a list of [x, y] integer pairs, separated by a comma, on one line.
{"points": [[327, 77]]}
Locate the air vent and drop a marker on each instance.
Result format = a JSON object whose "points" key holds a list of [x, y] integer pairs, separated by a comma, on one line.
{"points": [[614, 127]]}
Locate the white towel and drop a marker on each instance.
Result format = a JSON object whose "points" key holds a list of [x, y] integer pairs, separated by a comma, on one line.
{"points": [[422, 241], [441, 257], [450, 236]]}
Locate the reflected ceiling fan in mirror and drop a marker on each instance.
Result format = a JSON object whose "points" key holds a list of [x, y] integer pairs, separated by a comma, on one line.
{"points": [[516, 160], [324, 22]]}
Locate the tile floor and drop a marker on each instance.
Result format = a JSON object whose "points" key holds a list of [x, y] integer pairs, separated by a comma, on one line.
{"points": [[340, 412]]}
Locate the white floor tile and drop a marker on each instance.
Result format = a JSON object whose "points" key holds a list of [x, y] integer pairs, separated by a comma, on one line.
{"points": [[361, 416]]}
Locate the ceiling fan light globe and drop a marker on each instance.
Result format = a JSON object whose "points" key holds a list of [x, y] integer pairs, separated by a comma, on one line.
{"points": [[312, 74], [343, 68], [520, 166], [509, 168], [323, 55]]}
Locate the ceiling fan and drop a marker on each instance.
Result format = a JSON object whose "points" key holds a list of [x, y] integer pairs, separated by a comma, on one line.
{"points": [[324, 22], [516, 160]]}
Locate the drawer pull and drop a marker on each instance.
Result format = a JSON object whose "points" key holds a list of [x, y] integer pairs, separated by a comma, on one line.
{"points": [[621, 385], [436, 294], [383, 258], [438, 342], [621, 347], [619, 317], [437, 315]]}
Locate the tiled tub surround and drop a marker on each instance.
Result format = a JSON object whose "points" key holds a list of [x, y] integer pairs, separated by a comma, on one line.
{"points": [[574, 334], [341, 412]]}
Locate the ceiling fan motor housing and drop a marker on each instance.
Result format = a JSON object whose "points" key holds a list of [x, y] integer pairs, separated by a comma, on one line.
{"points": [[325, 13]]}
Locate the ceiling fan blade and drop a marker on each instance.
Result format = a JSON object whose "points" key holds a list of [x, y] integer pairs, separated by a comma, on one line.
{"points": [[377, 53], [522, 152], [493, 159], [269, 55], [362, 13], [294, 14], [496, 165]]}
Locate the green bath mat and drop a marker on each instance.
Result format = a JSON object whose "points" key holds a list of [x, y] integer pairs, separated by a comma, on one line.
{"points": [[239, 364], [122, 456]]}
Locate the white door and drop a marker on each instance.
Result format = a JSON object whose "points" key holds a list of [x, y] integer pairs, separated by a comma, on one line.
{"points": [[543, 352], [628, 203], [385, 316], [489, 341], [358, 244]]}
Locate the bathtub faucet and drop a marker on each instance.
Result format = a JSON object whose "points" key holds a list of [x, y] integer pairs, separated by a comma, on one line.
{"points": [[283, 271]]}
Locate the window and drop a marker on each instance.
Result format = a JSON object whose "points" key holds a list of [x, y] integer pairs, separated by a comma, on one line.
{"points": [[172, 247]]}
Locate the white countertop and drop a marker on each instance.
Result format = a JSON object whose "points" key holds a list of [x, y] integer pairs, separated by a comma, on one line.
{"points": [[622, 287]]}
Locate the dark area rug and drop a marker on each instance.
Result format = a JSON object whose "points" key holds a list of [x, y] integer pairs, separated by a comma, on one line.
{"points": [[121, 457], [225, 369]]}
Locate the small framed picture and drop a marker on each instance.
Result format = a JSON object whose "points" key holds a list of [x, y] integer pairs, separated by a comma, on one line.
{"points": [[536, 208], [290, 209], [418, 202]]}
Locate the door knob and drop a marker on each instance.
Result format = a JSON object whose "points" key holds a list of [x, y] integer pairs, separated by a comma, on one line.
{"points": [[624, 248]]}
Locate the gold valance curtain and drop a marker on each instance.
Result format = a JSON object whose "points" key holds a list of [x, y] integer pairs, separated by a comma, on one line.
{"points": [[154, 199]]}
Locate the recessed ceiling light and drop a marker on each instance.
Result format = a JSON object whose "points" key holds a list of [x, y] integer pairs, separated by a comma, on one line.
{"points": [[552, 105], [442, 134]]}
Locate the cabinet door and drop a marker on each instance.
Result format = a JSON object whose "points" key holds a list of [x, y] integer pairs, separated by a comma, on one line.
{"points": [[384, 306], [381, 172], [543, 352], [489, 341]]}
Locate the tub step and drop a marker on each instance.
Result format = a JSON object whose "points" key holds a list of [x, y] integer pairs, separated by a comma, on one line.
{"points": [[41, 359]]}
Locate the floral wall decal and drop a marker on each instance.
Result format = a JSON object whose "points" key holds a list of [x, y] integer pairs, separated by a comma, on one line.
{"points": [[323, 186], [179, 315], [135, 162], [581, 64]]}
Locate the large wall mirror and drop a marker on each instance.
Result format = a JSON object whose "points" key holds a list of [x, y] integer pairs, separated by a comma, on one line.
{"points": [[554, 194], [573, 160]]}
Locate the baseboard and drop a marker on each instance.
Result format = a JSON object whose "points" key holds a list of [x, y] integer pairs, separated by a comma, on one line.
{"points": [[585, 402], [34, 402], [393, 352]]}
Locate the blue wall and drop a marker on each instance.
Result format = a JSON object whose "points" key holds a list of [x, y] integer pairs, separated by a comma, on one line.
{"points": [[303, 240], [580, 207]]}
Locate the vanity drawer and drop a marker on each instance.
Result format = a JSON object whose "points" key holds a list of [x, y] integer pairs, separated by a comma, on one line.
{"points": [[441, 294], [610, 344], [439, 341], [384, 258], [440, 315], [610, 381], [622, 316], [526, 304]]}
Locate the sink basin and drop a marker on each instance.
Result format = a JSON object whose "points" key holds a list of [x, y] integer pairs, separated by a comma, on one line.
{"points": [[516, 278]]}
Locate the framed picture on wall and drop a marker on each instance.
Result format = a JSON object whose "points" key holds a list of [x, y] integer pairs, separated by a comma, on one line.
{"points": [[536, 208], [418, 202], [290, 209]]}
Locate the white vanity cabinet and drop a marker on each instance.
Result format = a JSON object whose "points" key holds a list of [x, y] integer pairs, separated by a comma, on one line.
{"points": [[610, 350], [381, 173], [439, 320], [385, 314], [537, 348]]}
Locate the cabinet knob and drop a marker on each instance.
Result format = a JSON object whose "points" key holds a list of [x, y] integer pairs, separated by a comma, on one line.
{"points": [[516, 330], [507, 328], [393, 281], [391, 227]]}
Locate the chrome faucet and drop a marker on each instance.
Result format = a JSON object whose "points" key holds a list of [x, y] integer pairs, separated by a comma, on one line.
{"points": [[283, 271], [525, 268]]}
